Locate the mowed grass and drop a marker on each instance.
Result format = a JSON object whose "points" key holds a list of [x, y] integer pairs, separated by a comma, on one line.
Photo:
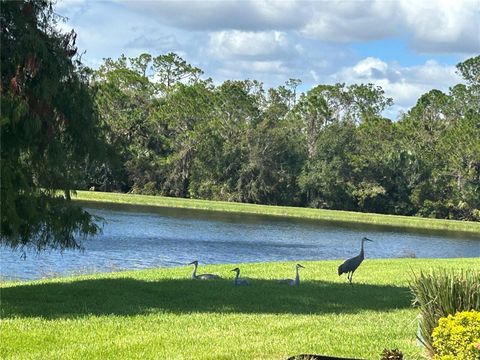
{"points": [[287, 211], [162, 314]]}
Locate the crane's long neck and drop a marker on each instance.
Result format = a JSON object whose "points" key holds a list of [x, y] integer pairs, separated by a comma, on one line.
{"points": [[194, 273], [362, 252], [297, 277], [237, 276]]}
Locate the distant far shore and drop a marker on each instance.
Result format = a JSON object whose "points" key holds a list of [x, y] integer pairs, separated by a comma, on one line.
{"points": [[283, 211]]}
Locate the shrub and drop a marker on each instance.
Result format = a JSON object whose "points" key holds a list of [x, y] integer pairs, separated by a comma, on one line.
{"points": [[457, 336], [440, 293], [393, 354]]}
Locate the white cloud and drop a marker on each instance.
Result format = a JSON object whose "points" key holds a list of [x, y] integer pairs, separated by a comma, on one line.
{"points": [[370, 68], [226, 44], [315, 76], [443, 25], [278, 12], [273, 40], [108, 29], [404, 84], [348, 21], [211, 15], [271, 73], [150, 40], [62, 5], [432, 26], [275, 67]]}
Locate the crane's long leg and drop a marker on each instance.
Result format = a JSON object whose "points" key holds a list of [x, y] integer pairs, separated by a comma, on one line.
{"points": [[351, 277]]}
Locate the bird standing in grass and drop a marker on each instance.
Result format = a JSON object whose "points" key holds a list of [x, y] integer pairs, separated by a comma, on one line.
{"points": [[201, 276], [350, 265], [237, 280], [293, 282]]}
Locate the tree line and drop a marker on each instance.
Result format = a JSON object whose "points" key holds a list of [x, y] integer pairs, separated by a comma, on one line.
{"points": [[155, 125], [175, 133]]}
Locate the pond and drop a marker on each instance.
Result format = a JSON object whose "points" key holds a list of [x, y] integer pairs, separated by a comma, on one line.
{"points": [[144, 237]]}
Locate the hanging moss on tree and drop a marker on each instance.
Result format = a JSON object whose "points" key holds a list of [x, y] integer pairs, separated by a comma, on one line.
{"points": [[48, 129]]}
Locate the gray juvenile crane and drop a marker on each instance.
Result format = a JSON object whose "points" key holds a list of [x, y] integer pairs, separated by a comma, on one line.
{"points": [[201, 276], [350, 265], [293, 282], [237, 280]]}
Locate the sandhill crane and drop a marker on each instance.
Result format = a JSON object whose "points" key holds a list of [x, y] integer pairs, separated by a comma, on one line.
{"points": [[237, 280], [350, 265], [292, 281], [201, 276]]}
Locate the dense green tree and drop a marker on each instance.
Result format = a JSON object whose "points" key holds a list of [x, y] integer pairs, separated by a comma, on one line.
{"points": [[224, 146], [185, 110], [48, 128], [326, 179], [275, 155], [150, 106], [420, 131], [179, 135], [470, 70], [325, 104], [170, 69], [125, 99], [441, 134], [318, 108], [330, 115], [456, 176], [456, 181], [378, 165], [364, 101], [170, 132]]}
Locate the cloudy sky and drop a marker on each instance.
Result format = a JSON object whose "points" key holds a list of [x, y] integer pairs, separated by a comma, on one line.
{"points": [[406, 46]]}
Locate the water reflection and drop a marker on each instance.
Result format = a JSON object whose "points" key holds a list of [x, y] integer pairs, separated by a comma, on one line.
{"points": [[143, 237]]}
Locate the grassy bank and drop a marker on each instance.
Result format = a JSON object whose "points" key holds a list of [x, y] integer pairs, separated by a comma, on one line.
{"points": [[162, 314], [320, 214]]}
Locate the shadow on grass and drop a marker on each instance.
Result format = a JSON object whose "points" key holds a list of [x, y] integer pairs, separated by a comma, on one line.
{"points": [[128, 296]]}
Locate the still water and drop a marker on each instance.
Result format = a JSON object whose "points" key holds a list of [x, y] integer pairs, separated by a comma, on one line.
{"points": [[140, 237]]}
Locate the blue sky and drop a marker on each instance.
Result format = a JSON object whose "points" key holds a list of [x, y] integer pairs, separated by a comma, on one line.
{"points": [[406, 46]]}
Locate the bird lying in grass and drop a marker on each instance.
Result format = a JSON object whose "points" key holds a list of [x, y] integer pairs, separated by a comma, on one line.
{"points": [[201, 276], [237, 280], [295, 281]]}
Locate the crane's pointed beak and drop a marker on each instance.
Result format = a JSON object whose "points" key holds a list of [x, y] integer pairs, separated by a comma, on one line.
{"points": [[367, 239], [192, 263]]}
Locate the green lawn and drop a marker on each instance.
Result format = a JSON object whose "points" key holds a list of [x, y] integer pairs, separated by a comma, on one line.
{"points": [[162, 314], [297, 212]]}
